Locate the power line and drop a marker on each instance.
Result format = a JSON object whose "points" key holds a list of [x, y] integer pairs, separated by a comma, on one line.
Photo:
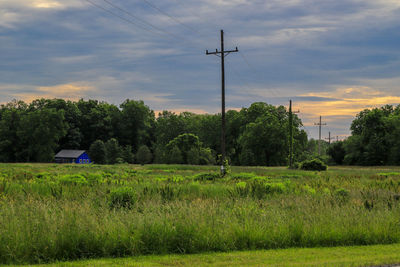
{"points": [[118, 16], [169, 16], [141, 20]]}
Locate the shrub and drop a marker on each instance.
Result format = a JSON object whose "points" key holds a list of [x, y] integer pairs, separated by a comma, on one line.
{"points": [[73, 179], [122, 197], [207, 176], [313, 165]]}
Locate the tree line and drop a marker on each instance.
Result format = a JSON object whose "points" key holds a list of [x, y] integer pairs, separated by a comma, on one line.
{"points": [[131, 132], [374, 140]]}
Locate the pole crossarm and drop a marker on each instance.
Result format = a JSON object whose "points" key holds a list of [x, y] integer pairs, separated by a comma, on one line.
{"points": [[227, 52]]}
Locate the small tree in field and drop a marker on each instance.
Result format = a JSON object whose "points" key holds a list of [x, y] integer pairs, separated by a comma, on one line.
{"points": [[143, 155], [97, 152]]}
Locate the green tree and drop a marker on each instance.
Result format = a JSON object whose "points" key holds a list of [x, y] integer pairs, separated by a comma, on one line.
{"points": [[127, 154], [337, 152], [143, 155], [97, 152], [175, 156], [113, 151], [193, 156], [137, 124], [10, 116], [266, 138], [185, 142], [39, 132]]}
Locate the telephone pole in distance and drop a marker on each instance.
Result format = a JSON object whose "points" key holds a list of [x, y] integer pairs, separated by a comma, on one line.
{"points": [[329, 138], [320, 124], [291, 133], [222, 54]]}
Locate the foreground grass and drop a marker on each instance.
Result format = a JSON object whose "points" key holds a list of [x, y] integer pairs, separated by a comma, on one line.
{"points": [[51, 213], [337, 256]]}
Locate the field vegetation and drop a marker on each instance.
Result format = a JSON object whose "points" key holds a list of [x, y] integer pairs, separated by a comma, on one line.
{"points": [[54, 212]]}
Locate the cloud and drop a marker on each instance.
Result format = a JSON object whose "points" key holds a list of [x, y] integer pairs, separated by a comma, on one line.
{"points": [[46, 4], [348, 101], [28, 93]]}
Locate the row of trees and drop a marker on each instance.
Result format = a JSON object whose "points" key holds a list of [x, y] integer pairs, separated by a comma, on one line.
{"points": [[375, 139], [257, 135]]}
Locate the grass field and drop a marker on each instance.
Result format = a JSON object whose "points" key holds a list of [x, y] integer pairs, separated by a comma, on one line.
{"points": [[54, 213], [336, 256]]}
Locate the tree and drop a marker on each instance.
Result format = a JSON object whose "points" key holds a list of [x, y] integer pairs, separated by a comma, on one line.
{"points": [[193, 156], [97, 152], [175, 156], [168, 126], [10, 116], [337, 152], [113, 151], [137, 124], [143, 155], [127, 154], [266, 138], [39, 132], [184, 142]]}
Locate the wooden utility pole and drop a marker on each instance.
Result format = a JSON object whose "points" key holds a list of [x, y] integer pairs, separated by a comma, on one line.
{"points": [[329, 138], [291, 133], [320, 124], [222, 54]]}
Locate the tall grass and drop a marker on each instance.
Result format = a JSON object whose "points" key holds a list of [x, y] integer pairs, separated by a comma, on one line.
{"points": [[135, 211]]}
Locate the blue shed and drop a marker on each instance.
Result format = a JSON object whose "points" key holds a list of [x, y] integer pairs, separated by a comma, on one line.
{"points": [[72, 156]]}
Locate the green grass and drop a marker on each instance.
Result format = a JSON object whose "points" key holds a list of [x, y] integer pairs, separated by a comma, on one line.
{"points": [[52, 212], [337, 256]]}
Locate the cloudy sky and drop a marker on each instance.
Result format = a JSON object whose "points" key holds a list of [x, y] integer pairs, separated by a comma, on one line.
{"points": [[332, 58]]}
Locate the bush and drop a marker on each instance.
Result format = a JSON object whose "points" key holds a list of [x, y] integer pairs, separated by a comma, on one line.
{"points": [[73, 179], [122, 197], [208, 176], [313, 165]]}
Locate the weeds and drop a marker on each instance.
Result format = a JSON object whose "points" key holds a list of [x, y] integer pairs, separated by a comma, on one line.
{"points": [[63, 212]]}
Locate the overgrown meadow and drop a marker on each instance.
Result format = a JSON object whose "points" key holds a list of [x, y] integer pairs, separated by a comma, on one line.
{"points": [[64, 212]]}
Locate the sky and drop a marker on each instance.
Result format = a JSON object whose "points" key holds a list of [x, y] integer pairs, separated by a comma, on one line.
{"points": [[332, 58]]}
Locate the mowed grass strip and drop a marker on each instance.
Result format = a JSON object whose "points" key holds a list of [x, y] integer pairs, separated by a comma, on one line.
{"points": [[336, 256]]}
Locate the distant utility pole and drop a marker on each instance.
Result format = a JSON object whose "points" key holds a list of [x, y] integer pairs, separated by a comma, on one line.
{"points": [[291, 133], [329, 138], [320, 124], [222, 54]]}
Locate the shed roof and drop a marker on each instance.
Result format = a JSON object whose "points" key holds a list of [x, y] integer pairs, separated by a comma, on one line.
{"points": [[66, 153]]}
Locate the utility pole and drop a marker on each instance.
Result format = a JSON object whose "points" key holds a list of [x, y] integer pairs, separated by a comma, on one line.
{"points": [[320, 124], [329, 138], [222, 54], [291, 133]]}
